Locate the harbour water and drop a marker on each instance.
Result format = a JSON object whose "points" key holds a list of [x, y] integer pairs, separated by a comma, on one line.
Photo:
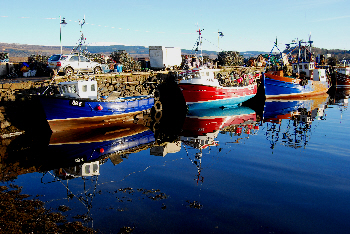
{"points": [[282, 170]]}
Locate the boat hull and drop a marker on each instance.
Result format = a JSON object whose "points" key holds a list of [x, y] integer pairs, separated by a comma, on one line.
{"points": [[204, 96], [68, 113], [343, 80], [285, 87]]}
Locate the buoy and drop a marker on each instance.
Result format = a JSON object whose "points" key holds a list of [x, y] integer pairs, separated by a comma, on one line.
{"points": [[99, 107], [102, 150], [156, 126], [158, 106]]}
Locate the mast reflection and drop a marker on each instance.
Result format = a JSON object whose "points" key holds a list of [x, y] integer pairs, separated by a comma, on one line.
{"points": [[290, 121], [201, 128]]}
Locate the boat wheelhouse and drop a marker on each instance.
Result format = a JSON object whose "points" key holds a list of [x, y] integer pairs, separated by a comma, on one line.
{"points": [[79, 89]]}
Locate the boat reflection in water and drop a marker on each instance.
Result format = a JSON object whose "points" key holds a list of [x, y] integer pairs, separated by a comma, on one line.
{"points": [[202, 126], [340, 97], [80, 150], [289, 121]]}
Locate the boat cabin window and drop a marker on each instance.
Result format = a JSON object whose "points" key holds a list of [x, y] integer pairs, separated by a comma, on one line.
{"points": [[63, 89], [84, 88], [87, 169], [295, 67], [93, 87], [305, 66], [95, 168], [300, 66], [68, 89], [207, 73], [72, 89]]}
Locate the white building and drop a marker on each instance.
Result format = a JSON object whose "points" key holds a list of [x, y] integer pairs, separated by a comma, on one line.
{"points": [[164, 57]]}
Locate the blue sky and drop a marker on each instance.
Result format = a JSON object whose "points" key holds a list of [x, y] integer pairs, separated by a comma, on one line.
{"points": [[246, 25]]}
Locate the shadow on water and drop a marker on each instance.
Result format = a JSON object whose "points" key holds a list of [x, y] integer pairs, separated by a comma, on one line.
{"points": [[169, 117], [25, 149], [257, 103]]}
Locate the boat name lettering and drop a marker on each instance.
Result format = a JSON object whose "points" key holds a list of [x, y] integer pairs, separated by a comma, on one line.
{"points": [[79, 160], [76, 103]]}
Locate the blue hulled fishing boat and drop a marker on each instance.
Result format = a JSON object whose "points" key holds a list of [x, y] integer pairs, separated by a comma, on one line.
{"points": [[78, 105], [306, 79]]}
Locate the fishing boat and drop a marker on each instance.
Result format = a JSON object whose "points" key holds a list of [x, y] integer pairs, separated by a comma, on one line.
{"points": [[77, 105], [306, 79], [202, 87], [343, 76]]}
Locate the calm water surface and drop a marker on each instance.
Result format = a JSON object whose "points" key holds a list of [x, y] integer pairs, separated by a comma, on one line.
{"points": [[286, 170]]}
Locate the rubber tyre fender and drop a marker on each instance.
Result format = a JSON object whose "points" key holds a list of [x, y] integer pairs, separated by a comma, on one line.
{"points": [[158, 116], [156, 94], [158, 106], [68, 71], [155, 126], [97, 70]]}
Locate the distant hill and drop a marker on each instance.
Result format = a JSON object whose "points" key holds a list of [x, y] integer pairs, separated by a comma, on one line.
{"points": [[23, 50]]}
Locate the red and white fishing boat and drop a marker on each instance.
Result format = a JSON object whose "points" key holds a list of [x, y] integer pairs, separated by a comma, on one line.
{"points": [[202, 89]]}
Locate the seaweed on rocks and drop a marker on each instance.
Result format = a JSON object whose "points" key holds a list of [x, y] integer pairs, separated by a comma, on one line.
{"points": [[18, 214]]}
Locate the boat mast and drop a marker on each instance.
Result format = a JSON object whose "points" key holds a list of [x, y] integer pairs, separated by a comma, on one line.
{"points": [[310, 44], [299, 42], [82, 39], [199, 43]]}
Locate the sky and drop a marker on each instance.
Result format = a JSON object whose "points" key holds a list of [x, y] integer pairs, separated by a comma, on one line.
{"points": [[246, 25]]}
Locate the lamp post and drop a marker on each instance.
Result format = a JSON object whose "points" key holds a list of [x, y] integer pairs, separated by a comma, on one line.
{"points": [[62, 22]]}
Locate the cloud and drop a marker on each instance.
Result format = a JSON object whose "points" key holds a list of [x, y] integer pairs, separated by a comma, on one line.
{"points": [[303, 4], [329, 19]]}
